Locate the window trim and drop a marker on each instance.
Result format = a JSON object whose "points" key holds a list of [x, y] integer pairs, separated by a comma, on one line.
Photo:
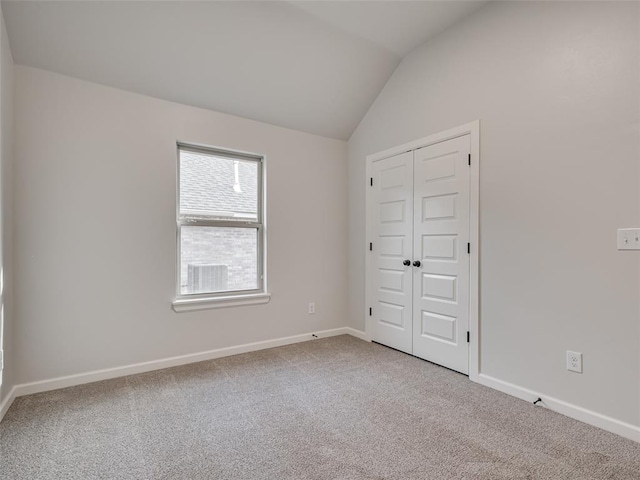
{"points": [[200, 301], [192, 304]]}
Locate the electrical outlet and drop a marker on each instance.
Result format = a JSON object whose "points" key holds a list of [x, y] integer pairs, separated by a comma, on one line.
{"points": [[574, 361], [312, 308]]}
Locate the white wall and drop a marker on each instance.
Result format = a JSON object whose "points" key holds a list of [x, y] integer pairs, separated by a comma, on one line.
{"points": [[556, 86], [95, 228], [6, 207]]}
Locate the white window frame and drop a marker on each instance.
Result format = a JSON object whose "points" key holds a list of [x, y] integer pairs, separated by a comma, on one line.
{"points": [[203, 301]]}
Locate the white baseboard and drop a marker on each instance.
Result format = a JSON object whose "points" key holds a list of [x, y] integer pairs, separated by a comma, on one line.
{"points": [[6, 403], [98, 375], [609, 424], [357, 333], [587, 416]]}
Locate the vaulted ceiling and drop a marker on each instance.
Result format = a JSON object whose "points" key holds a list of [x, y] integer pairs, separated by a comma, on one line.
{"points": [[310, 66]]}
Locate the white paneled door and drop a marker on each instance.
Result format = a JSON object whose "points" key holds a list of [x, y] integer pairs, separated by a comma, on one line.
{"points": [[440, 244], [419, 216], [391, 205]]}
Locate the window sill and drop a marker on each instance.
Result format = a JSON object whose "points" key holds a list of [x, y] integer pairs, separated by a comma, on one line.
{"points": [[188, 305]]}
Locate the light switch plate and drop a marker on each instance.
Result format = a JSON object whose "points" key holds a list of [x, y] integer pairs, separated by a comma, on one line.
{"points": [[629, 239]]}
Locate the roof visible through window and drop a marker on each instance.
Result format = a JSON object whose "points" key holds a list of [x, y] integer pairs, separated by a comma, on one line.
{"points": [[218, 186]]}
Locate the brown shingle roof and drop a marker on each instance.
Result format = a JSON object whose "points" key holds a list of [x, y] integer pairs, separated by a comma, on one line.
{"points": [[208, 185]]}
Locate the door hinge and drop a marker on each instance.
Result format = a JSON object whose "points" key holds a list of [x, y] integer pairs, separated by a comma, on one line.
{"points": [[469, 159], [469, 248], [371, 181], [370, 246], [468, 337], [370, 311]]}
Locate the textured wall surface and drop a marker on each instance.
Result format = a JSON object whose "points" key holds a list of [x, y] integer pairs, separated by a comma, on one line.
{"points": [[556, 86], [6, 207], [96, 198]]}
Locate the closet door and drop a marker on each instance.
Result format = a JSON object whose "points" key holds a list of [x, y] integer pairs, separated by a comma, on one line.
{"points": [[391, 210], [441, 235]]}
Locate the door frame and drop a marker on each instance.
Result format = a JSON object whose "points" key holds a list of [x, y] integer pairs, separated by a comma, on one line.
{"points": [[473, 130]]}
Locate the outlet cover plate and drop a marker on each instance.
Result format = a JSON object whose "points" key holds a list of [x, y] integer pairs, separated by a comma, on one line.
{"points": [[574, 361]]}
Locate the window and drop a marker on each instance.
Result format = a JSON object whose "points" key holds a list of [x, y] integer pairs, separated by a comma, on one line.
{"points": [[220, 228]]}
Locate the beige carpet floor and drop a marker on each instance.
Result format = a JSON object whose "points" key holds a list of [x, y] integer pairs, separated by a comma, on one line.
{"points": [[336, 408]]}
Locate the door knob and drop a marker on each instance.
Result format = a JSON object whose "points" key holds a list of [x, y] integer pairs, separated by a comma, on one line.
{"points": [[417, 263], [406, 263]]}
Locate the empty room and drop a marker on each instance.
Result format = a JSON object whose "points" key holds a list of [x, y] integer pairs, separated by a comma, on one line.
{"points": [[309, 240]]}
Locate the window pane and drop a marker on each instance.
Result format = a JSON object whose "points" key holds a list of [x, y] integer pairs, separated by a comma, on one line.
{"points": [[218, 259], [218, 187]]}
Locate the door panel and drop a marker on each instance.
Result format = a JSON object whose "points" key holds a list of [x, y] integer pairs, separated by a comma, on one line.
{"points": [[441, 234], [392, 228]]}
